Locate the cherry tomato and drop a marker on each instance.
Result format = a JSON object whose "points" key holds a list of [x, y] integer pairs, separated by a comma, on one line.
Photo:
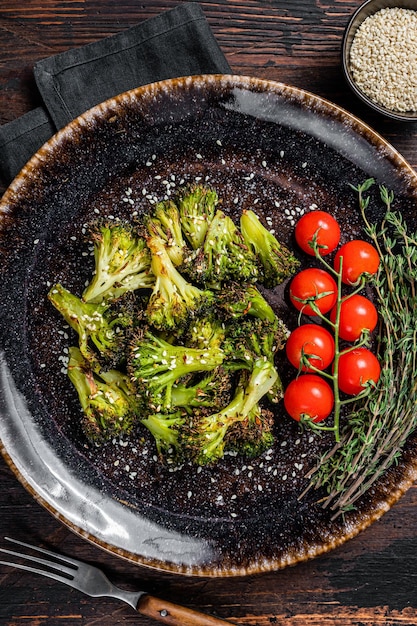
{"points": [[314, 343], [359, 257], [357, 367], [313, 285], [357, 313], [319, 224], [309, 395]]}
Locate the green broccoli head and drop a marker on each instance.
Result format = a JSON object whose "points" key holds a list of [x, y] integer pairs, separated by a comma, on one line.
{"points": [[101, 328], [207, 441], [108, 400], [164, 222], [214, 434], [253, 435], [223, 256], [197, 206], [122, 262], [209, 391], [250, 339], [157, 366], [276, 262], [205, 331], [242, 299], [173, 299], [167, 429]]}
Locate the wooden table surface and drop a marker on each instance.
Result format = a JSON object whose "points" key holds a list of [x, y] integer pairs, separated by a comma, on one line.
{"points": [[371, 580]]}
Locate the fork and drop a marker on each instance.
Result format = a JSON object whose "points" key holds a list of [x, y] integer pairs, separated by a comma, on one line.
{"points": [[93, 582]]}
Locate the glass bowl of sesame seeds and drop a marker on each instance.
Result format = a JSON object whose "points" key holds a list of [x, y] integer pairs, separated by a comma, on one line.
{"points": [[379, 57]]}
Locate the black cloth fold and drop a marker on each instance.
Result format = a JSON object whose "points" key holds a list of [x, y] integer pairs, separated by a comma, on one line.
{"points": [[176, 43]]}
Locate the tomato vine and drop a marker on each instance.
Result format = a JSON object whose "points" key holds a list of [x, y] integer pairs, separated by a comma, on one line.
{"points": [[316, 292]]}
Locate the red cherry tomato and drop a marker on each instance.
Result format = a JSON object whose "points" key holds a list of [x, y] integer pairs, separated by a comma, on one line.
{"points": [[313, 285], [357, 313], [321, 226], [359, 257], [314, 343], [309, 395], [357, 367]]}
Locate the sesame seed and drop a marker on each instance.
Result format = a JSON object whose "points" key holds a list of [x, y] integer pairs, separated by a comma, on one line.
{"points": [[383, 58]]}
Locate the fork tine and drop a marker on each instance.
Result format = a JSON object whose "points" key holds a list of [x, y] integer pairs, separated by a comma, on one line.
{"points": [[65, 565], [57, 557], [58, 567], [43, 572]]}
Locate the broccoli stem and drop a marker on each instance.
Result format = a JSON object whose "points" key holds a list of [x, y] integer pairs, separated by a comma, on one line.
{"points": [[276, 260], [173, 299]]}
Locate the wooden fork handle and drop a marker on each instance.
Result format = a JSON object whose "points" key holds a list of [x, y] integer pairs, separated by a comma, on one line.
{"points": [[174, 614]]}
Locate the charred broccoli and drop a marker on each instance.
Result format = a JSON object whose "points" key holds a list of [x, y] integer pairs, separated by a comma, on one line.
{"points": [[166, 429], [206, 331], [173, 299], [276, 261], [197, 206], [164, 222], [249, 339], [210, 391], [173, 333], [110, 406], [253, 435], [101, 327], [239, 300], [212, 435], [223, 255], [122, 262], [157, 366]]}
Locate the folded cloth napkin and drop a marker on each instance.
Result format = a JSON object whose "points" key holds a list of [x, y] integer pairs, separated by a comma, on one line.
{"points": [[176, 43]]}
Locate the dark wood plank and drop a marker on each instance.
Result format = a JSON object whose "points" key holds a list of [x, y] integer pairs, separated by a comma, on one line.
{"points": [[368, 581]]}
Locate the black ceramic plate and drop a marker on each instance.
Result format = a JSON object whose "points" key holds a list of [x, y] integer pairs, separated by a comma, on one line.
{"points": [[261, 145]]}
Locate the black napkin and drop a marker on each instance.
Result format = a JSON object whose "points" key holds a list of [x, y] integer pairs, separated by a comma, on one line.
{"points": [[176, 43]]}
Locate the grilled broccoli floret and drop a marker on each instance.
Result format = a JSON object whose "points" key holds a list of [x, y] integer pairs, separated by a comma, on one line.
{"points": [[122, 262], [276, 261], [252, 436], [239, 300], [212, 435], [157, 366], [210, 391], [108, 401], [173, 299], [166, 429], [249, 341], [164, 222], [223, 256], [197, 206], [101, 327], [205, 331]]}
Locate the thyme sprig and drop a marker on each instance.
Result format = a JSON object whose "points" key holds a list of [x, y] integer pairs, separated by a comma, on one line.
{"points": [[375, 432]]}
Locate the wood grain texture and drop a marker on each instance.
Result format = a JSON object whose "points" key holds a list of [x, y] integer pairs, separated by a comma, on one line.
{"points": [[371, 580]]}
